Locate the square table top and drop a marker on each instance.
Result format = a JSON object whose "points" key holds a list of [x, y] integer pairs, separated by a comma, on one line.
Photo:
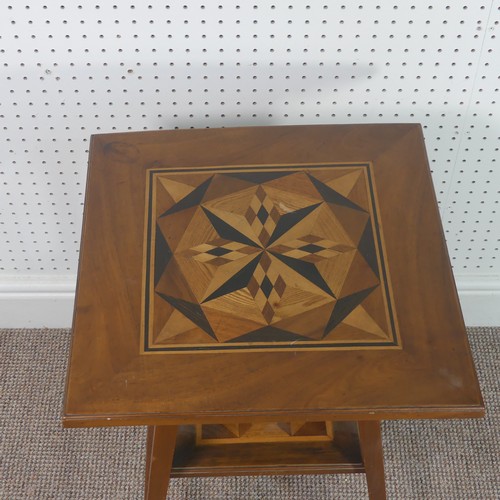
{"points": [[262, 272]]}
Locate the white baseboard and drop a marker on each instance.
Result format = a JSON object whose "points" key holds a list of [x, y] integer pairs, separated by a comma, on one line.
{"points": [[480, 299], [38, 302]]}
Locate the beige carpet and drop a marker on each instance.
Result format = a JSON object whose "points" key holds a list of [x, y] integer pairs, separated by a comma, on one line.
{"points": [[454, 459]]}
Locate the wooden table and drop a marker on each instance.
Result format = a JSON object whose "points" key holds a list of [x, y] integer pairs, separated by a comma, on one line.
{"points": [[262, 298]]}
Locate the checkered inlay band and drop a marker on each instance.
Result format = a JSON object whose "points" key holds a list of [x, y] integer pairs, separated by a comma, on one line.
{"points": [[311, 248], [219, 252], [266, 286], [262, 215]]}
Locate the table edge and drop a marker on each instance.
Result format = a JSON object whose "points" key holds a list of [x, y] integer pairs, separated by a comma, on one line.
{"points": [[75, 421]]}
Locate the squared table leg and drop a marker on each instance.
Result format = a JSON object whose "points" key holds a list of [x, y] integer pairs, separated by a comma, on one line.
{"points": [[159, 453], [370, 440]]}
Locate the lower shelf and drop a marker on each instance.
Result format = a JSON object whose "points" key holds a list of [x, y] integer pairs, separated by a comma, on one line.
{"points": [[342, 454]]}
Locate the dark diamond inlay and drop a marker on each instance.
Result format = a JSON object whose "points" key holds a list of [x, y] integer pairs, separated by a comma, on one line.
{"points": [[311, 248], [262, 214], [266, 286], [218, 251]]}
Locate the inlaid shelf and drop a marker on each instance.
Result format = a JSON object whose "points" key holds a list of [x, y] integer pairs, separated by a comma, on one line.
{"points": [[270, 448], [262, 432]]}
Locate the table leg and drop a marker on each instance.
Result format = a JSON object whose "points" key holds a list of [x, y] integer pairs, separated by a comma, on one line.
{"points": [[370, 440], [159, 453]]}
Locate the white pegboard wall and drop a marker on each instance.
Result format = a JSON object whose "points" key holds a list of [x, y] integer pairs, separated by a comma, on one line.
{"points": [[70, 69]]}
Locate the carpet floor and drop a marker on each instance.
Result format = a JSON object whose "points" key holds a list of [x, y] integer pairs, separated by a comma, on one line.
{"points": [[440, 459]]}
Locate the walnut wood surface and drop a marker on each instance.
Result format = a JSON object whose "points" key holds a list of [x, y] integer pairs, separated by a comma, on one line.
{"points": [[159, 453], [370, 440], [113, 378]]}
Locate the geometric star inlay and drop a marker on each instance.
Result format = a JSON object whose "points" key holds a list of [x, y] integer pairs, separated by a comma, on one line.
{"points": [[265, 258]]}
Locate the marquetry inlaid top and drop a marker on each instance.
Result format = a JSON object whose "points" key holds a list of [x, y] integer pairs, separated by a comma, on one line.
{"points": [[265, 257], [288, 273]]}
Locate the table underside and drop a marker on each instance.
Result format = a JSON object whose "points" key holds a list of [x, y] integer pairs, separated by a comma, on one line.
{"points": [[271, 448]]}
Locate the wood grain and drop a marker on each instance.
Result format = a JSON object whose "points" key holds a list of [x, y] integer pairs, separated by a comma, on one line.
{"points": [[159, 453], [287, 457], [270, 257], [113, 380], [370, 439], [264, 432]]}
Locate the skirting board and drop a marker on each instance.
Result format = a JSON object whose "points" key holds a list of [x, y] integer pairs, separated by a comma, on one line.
{"points": [[34, 302]]}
